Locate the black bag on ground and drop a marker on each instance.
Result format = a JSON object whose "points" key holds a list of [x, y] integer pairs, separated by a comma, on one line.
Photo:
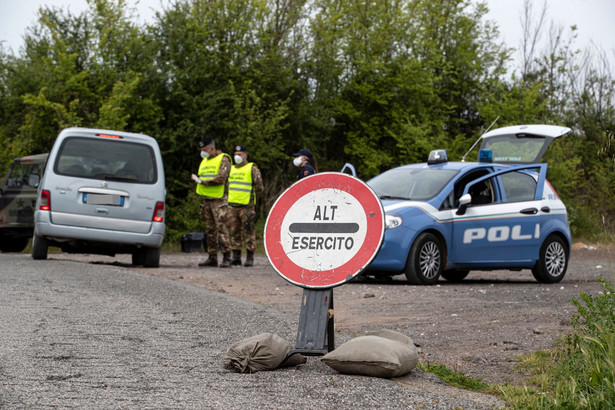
{"points": [[193, 242]]}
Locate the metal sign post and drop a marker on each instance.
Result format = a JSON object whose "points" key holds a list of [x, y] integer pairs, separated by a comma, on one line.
{"points": [[320, 233]]}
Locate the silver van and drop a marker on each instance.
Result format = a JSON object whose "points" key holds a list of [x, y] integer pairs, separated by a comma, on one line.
{"points": [[102, 192]]}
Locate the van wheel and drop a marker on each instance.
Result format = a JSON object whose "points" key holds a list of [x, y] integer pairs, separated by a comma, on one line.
{"points": [[138, 257], [425, 260], [151, 258], [14, 244], [39, 247], [553, 261]]}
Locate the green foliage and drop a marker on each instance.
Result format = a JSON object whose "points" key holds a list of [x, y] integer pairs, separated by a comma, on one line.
{"points": [[183, 215], [377, 84], [595, 314]]}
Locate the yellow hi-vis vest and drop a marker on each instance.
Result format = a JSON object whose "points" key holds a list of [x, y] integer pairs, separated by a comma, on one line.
{"points": [[240, 184], [208, 170]]}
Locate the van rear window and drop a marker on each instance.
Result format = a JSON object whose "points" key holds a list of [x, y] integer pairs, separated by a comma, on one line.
{"points": [[106, 159]]}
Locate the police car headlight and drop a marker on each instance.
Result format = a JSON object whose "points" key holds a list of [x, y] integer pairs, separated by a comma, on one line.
{"points": [[392, 221]]}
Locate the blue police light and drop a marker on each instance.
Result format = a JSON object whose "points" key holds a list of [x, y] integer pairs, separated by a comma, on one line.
{"points": [[437, 156], [485, 155]]}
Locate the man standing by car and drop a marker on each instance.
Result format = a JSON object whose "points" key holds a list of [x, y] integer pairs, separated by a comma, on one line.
{"points": [[213, 187], [245, 182]]}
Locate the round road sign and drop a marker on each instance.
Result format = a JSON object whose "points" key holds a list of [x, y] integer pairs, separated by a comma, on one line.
{"points": [[324, 230]]}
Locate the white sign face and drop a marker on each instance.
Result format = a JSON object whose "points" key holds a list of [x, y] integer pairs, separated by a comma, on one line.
{"points": [[325, 229]]}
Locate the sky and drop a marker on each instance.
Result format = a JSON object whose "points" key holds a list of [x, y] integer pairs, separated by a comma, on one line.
{"points": [[594, 19]]}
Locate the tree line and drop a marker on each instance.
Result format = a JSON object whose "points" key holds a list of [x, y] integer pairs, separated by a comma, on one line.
{"points": [[375, 83]]}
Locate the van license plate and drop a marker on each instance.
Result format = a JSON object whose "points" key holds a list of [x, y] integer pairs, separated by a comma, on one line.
{"points": [[103, 199]]}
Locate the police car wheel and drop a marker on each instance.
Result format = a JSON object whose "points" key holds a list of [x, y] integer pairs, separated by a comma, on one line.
{"points": [[425, 260], [553, 261], [455, 275], [39, 247]]}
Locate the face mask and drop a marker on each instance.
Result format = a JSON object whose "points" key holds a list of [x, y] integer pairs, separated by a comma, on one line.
{"points": [[238, 159], [297, 161], [204, 154]]}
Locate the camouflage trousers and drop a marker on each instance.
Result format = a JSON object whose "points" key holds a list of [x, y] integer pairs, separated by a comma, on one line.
{"points": [[215, 214], [241, 224]]}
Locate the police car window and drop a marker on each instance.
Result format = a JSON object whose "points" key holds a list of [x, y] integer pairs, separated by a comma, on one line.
{"points": [[452, 200], [418, 184], [106, 159], [482, 193], [518, 186]]}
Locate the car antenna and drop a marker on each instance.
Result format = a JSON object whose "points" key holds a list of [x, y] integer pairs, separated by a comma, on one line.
{"points": [[481, 135]]}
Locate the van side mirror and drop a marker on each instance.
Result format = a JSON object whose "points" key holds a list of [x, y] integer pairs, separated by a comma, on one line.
{"points": [[464, 201], [34, 180]]}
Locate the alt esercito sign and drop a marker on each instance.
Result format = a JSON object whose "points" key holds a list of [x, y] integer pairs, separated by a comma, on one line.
{"points": [[324, 230]]}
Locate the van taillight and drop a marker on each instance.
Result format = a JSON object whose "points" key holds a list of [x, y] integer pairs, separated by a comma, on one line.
{"points": [[45, 200], [159, 212]]}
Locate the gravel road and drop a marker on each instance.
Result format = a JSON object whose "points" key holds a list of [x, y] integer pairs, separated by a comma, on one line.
{"points": [[479, 327], [99, 335]]}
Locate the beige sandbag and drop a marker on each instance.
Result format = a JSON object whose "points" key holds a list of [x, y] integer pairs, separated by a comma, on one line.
{"points": [[392, 335], [294, 360], [373, 355], [257, 353]]}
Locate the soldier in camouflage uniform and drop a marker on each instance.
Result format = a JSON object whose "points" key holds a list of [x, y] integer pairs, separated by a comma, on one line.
{"points": [[213, 187], [245, 183]]}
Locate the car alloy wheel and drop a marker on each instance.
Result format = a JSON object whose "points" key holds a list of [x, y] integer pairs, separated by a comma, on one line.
{"points": [[425, 260]]}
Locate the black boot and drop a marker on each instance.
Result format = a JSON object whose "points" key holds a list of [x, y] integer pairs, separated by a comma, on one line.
{"points": [[226, 260], [249, 259], [236, 261], [211, 261]]}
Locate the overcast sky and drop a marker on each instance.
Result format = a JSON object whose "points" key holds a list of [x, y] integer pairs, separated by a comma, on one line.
{"points": [[594, 18]]}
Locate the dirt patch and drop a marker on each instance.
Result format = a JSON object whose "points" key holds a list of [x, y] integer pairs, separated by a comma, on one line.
{"points": [[479, 326]]}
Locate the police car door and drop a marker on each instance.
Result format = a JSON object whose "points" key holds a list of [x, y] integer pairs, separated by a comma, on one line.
{"points": [[501, 224]]}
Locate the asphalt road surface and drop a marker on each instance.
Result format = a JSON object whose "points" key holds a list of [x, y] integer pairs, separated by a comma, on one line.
{"points": [[81, 335]]}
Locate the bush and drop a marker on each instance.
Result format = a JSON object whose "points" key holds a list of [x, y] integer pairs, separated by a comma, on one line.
{"points": [[582, 373]]}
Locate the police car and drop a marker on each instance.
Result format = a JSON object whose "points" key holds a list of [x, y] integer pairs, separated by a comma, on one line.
{"points": [[448, 218]]}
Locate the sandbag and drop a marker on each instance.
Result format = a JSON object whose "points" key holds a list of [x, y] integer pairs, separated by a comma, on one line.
{"points": [[372, 355], [392, 335], [266, 351]]}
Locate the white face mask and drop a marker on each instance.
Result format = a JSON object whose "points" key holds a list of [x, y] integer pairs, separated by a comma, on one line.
{"points": [[204, 154], [298, 161], [238, 159]]}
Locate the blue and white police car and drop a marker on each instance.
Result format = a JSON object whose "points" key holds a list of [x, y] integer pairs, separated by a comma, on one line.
{"points": [[448, 218]]}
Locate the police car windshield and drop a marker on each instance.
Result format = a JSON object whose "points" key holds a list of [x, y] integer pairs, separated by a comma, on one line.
{"points": [[411, 183]]}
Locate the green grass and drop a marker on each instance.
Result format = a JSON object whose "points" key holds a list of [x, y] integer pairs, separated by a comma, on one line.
{"points": [[578, 372], [453, 377]]}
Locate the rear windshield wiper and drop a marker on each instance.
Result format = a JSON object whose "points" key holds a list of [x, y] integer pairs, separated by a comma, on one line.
{"points": [[120, 179]]}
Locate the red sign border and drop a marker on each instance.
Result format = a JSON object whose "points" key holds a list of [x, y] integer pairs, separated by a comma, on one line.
{"points": [[303, 277]]}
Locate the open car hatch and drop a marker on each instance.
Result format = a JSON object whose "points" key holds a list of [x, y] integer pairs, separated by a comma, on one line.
{"points": [[521, 144]]}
